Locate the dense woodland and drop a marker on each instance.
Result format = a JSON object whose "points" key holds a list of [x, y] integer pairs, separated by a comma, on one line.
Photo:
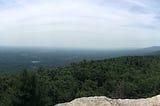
{"points": [[123, 77]]}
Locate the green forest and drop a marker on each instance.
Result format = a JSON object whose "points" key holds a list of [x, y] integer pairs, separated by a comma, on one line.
{"points": [[122, 77]]}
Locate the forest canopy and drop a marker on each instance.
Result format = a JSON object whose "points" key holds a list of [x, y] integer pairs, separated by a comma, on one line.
{"points": [[123, 77]]}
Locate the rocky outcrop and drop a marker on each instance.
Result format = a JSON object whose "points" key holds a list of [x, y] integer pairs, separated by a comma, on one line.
{"points": [[104, 101]]}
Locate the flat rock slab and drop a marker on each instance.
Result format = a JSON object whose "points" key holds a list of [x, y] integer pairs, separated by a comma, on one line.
{"points": [[104, 101]]}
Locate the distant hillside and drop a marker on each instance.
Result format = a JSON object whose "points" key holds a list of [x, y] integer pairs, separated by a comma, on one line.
{"points": [[145, 51], [150, 49], [155, 53]]}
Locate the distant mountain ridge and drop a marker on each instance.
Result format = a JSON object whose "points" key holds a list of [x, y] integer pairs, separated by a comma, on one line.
{"points": [[154, 50], [151, 49], [145, 51]]}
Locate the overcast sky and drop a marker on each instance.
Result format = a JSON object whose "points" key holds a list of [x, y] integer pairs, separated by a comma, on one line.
{"points": [[80, 23]]}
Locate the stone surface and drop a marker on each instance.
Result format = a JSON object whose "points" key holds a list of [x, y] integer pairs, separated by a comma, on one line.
{"points": [[104, 101]]}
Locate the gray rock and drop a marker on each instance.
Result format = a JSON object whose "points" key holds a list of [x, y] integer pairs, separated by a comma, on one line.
{"points": [[104, 101]]}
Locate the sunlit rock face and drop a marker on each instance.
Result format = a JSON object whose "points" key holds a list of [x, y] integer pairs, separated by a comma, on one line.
{"points": [[104, 101]]}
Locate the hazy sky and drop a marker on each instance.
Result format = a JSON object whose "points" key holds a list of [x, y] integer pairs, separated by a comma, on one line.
{"points": [[80, 23]]}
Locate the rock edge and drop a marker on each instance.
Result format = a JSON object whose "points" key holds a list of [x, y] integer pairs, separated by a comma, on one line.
{"points": [[104, 101]]}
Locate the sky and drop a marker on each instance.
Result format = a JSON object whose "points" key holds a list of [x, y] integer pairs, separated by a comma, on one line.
{"points": [[80, 23]]}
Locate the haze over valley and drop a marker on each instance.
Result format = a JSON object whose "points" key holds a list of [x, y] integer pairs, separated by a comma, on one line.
{"points": [[13, 59]]}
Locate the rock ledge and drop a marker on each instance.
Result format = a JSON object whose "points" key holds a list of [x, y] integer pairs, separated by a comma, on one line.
{"points": [[104, 101]]}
